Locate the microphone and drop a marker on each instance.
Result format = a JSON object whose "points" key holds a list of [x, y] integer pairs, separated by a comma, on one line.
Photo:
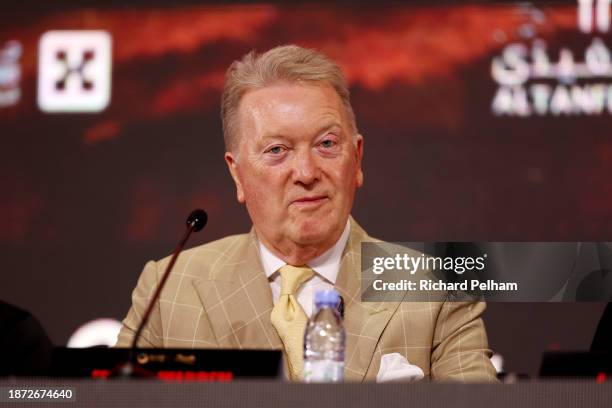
{"points": [[197, 219], [195, 222]]}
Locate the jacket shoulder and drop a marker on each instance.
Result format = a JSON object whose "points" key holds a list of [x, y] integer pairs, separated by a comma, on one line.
{"points": [[220, 246], [202, 260]]}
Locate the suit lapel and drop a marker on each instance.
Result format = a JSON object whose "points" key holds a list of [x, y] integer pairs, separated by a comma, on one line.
{"points": [[364, 321], [237, 298]]}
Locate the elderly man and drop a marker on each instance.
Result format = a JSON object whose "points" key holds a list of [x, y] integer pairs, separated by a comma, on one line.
{"points": [[293, 150]]}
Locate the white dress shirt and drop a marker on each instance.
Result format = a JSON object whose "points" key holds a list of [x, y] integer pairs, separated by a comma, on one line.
{"points": [[326, 267]]}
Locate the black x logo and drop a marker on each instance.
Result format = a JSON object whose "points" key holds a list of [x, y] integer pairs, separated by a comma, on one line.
{"points": [[62, 56]]}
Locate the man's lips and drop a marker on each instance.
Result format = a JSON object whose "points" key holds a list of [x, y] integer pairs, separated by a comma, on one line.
{"points": [[310, 201]]}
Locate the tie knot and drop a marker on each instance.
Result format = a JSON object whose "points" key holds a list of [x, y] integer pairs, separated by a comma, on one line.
{"points": [[292, 278]]}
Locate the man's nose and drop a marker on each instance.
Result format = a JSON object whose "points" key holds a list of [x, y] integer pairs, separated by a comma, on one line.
{"points": [[305, 168]]}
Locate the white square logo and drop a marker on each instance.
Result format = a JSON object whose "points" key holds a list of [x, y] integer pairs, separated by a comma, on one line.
{"points": [[74, 71]]}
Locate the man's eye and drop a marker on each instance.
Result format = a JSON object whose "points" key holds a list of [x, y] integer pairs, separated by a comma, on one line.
{"points": [[275, 149], [328, 143]]}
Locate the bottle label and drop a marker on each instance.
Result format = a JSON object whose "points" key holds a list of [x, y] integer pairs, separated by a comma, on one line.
{"points": [[323, 371]]}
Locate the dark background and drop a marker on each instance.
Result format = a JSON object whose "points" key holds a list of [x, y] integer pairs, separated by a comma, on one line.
{"points": [[87, 199]]}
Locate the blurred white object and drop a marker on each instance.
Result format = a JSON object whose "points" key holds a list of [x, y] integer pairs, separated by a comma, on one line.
{"points": [[395, 367], [99, 332], [74, 70], [498, 362], [10, 73]]}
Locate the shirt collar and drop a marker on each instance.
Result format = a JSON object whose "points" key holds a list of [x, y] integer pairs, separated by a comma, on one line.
{"points": [[327, 264]]}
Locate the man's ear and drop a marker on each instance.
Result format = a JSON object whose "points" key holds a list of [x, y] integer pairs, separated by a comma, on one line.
{"points": [[359, 156], [232, 165]]}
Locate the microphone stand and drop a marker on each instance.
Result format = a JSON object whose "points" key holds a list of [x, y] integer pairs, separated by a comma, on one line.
{"points": [[131, 369]]}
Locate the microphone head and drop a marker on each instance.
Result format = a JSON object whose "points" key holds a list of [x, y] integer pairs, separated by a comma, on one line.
{"points": [[197, 219]]}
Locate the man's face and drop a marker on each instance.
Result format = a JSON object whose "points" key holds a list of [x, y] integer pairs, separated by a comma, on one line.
{"points": [[297, 164]]}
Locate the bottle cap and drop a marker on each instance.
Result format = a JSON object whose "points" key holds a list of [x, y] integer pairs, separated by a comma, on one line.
{"points": [[328, 297]]}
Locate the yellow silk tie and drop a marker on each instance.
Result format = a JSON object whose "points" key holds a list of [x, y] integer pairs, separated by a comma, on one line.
{"points": [[289, 319]]}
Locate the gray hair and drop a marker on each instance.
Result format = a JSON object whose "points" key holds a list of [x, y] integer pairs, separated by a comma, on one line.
{"points": [[284, 63]]}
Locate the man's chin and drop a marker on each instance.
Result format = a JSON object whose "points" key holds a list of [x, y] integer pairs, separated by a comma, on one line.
{"points": [[314, 233]]}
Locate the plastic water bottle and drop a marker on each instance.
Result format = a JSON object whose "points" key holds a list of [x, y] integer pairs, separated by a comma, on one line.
{"points": [[324, 340]]}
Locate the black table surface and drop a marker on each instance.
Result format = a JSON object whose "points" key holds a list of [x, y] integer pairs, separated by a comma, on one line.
{"points": [[155, 393]]}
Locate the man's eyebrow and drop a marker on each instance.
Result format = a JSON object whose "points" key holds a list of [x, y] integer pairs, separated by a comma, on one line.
{"points": [[328, 126], [267, 138]]}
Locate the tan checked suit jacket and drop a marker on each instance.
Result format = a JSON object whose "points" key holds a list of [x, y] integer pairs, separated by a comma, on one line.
{"points": [[218, 296]]}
